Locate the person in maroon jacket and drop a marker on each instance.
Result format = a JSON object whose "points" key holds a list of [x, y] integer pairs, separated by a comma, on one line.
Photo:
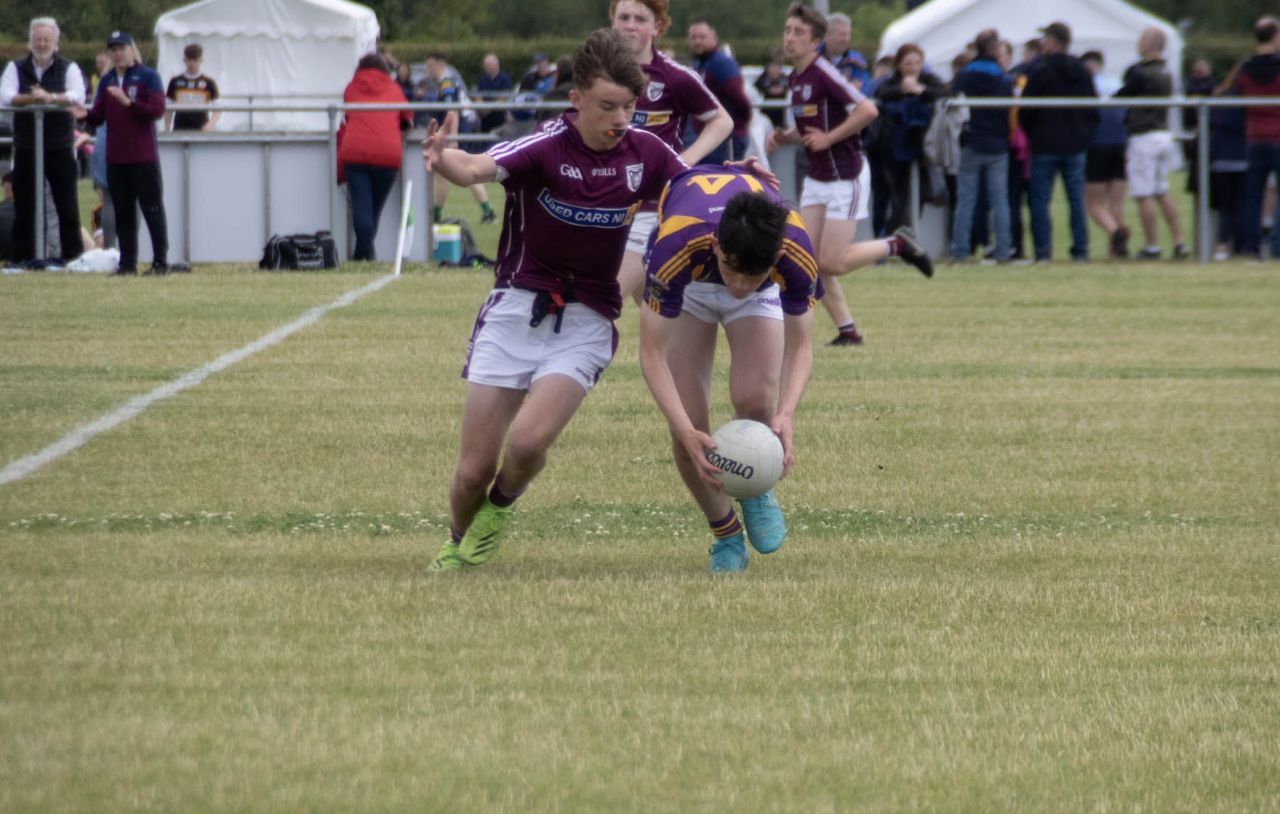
{"points": [[370, 148], [130, 99]]}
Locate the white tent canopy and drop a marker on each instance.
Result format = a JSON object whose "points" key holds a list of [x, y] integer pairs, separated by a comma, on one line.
{"points": [[287, 51], [942, 28]]}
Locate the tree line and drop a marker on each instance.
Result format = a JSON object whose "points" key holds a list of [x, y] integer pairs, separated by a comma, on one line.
{"points": [[456, 20], [515, 29]]}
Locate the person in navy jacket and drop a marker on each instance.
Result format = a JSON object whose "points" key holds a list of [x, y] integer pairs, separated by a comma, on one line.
{"points": [[131, 99]]}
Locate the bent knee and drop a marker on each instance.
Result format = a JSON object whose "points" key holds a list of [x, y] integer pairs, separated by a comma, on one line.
{"points": [[474, 475]]}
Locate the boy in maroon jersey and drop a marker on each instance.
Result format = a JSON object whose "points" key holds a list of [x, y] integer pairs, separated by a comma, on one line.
{"points": [[673, 95], [545, 333], [829, 115]]}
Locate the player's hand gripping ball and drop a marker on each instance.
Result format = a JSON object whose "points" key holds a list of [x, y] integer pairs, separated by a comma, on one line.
{"points": [[749, 457]]}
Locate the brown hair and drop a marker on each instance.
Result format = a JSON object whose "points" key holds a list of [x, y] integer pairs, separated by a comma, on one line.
{"points": [[607, 55], [193, 51], [658, 7], [904, 51], [816, 22], [986, 43]]}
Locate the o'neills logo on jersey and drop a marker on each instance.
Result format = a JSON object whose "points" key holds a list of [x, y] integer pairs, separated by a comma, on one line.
{"points": [[585, 215], [635, 174], [730, 465], [654, 91]]}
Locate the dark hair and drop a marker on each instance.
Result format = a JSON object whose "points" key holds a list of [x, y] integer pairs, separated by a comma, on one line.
{"points": [[439, 56], [193, 51], [606, 54], [814, 19], [564, 70], [751, 231], [1032, 45], [372, 61], [1265, 29], [1095, 56], [986, 43]]}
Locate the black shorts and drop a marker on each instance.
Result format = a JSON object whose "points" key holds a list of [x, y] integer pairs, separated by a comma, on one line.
{"points": [[1104, 163]]}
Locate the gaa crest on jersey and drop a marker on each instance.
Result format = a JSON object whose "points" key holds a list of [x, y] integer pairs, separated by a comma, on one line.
{"points": [[806, 91], [635, 174], [654, 91]]}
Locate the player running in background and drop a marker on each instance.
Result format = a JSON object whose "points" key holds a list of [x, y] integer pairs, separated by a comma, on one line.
{"points": [[828, 117], [545, 333], [728, 252], [672, 94]]}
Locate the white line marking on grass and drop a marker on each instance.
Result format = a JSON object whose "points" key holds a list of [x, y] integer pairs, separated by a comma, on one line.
{"points": [[81, 435]]}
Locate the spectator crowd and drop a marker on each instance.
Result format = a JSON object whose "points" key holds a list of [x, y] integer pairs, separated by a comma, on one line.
{"points": [[995, 167]]}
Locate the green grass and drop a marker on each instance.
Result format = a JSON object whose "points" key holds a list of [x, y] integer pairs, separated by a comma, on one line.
{"points": [[1033, 561]]}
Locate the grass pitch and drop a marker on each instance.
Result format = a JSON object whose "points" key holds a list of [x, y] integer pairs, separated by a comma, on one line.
{"points": [[1033, 561]]}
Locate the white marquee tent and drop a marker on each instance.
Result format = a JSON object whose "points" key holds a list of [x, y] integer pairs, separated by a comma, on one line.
{"points": [[942, 28], [287, 51]]}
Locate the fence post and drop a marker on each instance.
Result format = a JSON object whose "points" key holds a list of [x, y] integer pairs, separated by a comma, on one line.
{"points": [[39, 246], [1203, 236], [333, 177]]}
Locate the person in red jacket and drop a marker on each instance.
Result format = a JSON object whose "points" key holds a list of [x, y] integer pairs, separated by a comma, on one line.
{"points": [[370, 148]]}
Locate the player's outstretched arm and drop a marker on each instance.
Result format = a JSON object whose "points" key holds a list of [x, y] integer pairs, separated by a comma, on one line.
{"points": [[455, 166], [657, 374], [797, 363]]}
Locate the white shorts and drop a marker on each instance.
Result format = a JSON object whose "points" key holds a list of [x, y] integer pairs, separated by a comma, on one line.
{"points": [[712, 302], [505, 351], [642, 225], [1148, 159], [844, 200]]}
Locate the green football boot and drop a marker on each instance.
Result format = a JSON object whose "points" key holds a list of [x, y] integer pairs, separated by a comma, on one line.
{"points": [[484, 535], [447, 559]]}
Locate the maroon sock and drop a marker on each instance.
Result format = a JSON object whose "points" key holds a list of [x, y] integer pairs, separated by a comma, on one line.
{"points": [[896, 244], [499, 496]]}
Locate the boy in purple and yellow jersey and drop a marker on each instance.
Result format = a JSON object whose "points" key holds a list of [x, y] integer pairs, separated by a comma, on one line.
{"points": [[728, 251]]}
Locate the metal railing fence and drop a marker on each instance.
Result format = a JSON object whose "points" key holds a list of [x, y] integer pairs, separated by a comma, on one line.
{"points": [[334, 110]]}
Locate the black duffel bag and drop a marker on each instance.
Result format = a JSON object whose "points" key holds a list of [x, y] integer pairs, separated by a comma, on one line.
{"points": [[300, 252]]}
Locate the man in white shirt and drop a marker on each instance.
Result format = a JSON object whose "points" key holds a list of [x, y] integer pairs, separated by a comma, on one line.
{"points": [[44, 78]]}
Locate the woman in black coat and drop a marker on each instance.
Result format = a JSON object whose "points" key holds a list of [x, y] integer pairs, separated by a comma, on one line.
{"points": [[906, 102]]}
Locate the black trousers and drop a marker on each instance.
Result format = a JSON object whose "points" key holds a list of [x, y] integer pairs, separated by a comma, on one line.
{"points": [[60, 168], [133, 186]]}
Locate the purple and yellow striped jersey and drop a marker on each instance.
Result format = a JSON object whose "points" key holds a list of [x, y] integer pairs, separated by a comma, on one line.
{"points": [[680, 249]]}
